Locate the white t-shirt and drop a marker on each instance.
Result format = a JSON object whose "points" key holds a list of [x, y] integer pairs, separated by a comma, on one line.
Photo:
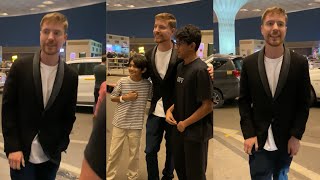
{"points": [[273, 67], [48, 75], [162, 60]]}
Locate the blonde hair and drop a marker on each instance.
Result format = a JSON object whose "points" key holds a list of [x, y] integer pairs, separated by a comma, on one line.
{"points": [[274, 10], [168, 17], [55, 17]]}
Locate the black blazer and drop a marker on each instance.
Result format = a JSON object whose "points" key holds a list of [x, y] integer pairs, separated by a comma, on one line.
{"points": [[287, 111], [162, 87], [23, 112]]}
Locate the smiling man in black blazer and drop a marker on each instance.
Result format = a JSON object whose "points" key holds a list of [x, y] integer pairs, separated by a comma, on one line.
{"points": [[38, 106], [274, 101]]}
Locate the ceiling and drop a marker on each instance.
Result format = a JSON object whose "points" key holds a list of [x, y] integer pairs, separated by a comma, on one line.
{"points": [[24, 7], [114, 5], [288, 5]]}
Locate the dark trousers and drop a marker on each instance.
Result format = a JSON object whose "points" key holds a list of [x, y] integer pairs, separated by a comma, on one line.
{"points": [[155, 129], [190, 157], [96, 95], [267, 164], [43, 171]]}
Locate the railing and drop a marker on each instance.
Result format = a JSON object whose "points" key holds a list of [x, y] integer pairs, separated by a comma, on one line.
{"points": [[117, 66]]}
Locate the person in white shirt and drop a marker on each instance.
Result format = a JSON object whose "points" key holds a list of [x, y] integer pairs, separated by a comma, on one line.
{"points": [[39, 102], [274, 101]]}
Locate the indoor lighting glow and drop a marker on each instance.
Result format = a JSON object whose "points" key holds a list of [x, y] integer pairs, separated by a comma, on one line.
{"points": [[244, 10], [41, 6], [47, 2], [226, 11], [4, 14], [117, 5], [130, 6], [256, 10]]}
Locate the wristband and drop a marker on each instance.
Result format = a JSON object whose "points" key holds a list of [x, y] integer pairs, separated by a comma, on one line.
{"points": [[121, 100]]}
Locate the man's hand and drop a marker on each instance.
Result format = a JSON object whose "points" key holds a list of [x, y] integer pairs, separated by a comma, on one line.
{"points": [[131, 96], [248, 144], [210, 71], [169, 118], [293, 146], [181, 126], [15, 159]]}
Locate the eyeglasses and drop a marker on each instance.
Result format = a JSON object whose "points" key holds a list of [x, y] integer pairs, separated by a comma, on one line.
{"points": [[179, 43]]}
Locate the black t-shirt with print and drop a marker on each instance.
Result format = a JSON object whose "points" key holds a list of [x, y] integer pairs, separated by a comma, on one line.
{"points": [[193, 85]]}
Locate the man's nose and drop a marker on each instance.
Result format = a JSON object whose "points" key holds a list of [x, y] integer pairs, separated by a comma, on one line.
{"points": [[51, 35], [275, 26]]}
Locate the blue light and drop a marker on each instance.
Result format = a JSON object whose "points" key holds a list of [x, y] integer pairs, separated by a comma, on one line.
{"points": [[226, 11]]}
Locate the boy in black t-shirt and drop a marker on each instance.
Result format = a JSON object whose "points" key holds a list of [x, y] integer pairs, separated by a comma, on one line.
{"points": [[192, 108]]}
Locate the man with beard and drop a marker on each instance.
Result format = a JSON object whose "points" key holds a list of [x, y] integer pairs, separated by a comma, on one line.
{"points": [[274, 101], [38, 106], [162, 68]]}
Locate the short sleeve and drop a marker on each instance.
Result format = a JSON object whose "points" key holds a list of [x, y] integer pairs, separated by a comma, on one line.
{"points": [[204, 85], [95, 152], [116, 90]]}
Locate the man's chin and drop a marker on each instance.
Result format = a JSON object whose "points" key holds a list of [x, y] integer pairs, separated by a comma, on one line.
{"points": [[47, 52]]}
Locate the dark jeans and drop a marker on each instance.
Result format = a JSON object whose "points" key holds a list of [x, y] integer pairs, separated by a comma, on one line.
{"points": [[155, 129], [267, 164], [190, 157], [43, 171]]}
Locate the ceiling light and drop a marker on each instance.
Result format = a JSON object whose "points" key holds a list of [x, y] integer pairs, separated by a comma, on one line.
{"points": [[117, 5], [244, 10], [41, 6], [32, 9], [130, 6], [256, 10], [47, 2], [107, 4], [158, 1], [4, 14], [310, 4]]}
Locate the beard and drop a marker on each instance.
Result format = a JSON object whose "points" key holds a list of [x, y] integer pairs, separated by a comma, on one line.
{"points": [[49, 49]]}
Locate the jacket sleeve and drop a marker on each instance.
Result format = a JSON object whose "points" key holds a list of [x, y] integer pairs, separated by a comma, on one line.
{"points": [[70, 112], [302, 111], [245, 105], [10, 128]]}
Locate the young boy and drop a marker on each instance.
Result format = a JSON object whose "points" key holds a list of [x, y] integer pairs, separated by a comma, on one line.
{"points": [[191, 112], [131, 93]]}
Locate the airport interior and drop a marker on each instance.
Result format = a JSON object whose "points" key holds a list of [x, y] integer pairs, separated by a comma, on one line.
{"points": [[231, 31]]}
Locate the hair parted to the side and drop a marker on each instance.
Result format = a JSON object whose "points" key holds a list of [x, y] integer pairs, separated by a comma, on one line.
{"points": [[172, 21], [274, 10], [55, 17], [189, 34], [140, 62]]}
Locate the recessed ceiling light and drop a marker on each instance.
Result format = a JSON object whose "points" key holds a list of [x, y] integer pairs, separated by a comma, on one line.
{"points": [[117, 5], [41, 6], [158, 1], [130, 6], [244, 10], [33, 9], [4, 14], [256, 10], [310, 4], [107, 4], [47, 2]]}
